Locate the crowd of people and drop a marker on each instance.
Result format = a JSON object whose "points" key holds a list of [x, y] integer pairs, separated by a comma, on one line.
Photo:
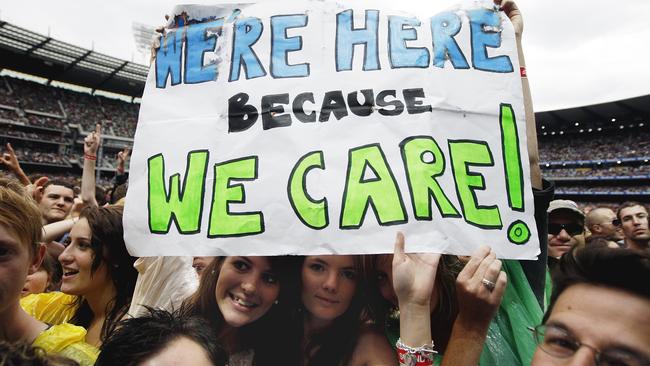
{"points": [[612, 171], [71, 294], [65, 106], [628, 143]]}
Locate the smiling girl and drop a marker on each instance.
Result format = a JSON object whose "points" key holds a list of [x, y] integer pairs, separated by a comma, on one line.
{"points": [[98, 277], [246, 300]]}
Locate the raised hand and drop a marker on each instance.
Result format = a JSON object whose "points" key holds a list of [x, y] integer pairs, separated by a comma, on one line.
{"points": [[512, 11], [92, 141], [413, 274], [480, 287], [9, 159], [123, 156]]}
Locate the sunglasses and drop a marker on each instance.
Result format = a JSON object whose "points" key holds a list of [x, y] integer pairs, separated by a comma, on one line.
{"points": [[571, 229], [616, 222]]}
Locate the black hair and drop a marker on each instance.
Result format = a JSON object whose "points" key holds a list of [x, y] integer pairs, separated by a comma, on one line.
{"points": [[623, 269], [107, 243], [136, 339]]}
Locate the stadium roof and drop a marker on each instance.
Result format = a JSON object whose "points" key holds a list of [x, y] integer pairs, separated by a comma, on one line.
{"points": [[604, 114], [32, 53]]}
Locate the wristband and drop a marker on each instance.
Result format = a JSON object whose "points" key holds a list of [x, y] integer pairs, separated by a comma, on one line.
{"points": [[409, 356], [90, 157], [522, 72]]}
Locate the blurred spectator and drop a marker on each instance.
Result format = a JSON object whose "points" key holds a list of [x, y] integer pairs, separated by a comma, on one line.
{"points": [[45, 279], [633, 218], [565, 228], [200, 263], [601, 223], [56, 201]]}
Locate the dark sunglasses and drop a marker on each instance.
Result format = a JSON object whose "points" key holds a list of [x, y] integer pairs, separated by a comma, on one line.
{"points": [[571, 229], [616, 222]]}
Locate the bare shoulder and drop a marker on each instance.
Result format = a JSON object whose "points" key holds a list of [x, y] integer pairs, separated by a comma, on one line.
{"points": [[372, 349]]}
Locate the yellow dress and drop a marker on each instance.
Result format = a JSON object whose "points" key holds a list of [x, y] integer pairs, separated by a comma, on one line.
{"points": [[62, 338]]}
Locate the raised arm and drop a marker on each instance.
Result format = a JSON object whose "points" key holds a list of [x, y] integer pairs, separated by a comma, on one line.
{"points": [[413, 278], [479, 287], [10, 160], [91, 145], [512, 11]]}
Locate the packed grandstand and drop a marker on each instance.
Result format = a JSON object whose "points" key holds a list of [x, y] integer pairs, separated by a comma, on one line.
{"points": [[52, 94]]}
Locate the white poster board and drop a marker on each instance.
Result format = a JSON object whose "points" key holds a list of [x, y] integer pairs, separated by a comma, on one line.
{"points": [[314, 127]]}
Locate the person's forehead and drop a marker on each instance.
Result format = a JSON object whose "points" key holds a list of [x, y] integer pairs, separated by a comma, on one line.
{"points": [[619, 312], [633, 210], [562, 216], [60, 190]]}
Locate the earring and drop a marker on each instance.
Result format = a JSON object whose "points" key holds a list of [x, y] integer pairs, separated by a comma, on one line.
{"points": [[276, 302]]}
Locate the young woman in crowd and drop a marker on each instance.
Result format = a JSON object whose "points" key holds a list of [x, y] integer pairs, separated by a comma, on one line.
{"points": [[98, 277], [332, 327], [247, 302], [20, 255]]}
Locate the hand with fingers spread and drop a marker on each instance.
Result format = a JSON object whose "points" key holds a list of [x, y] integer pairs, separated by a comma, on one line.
{"points": [[480, 287], [413, 274], [91, 143]]}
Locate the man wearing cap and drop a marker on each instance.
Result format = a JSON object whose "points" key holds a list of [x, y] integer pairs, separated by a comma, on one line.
{"points": [[565, 227], [601, 222], [633, 219]]}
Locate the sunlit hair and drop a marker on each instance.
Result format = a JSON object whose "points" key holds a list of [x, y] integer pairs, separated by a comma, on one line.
{"points": [[107, 244], [262, 335], [445, 312], [20, 214]]}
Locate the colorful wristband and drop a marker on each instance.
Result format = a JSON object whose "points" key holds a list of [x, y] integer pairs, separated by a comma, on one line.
{"points": [[409, 356], [90, 157]]}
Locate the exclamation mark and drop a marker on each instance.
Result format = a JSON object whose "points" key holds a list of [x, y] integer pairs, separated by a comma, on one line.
{"points": [[518, 232]]}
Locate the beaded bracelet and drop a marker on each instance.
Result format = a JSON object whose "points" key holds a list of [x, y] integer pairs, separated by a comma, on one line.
{"points": [[409, 356], [90, 157]]}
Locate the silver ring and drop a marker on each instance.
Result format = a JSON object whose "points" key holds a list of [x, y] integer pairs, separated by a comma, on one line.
{"points": [[488, 284]]}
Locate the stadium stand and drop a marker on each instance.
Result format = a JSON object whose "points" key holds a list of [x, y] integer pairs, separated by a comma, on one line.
{"points": [[595, 153]]}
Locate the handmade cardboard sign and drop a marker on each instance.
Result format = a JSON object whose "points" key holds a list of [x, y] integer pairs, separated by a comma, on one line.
{"points": [[324, 127]]}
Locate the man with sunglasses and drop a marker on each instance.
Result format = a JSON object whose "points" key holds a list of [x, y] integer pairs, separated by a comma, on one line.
{"points": [[599, 312], [565, 228], [633, 219], [602, 223]]}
